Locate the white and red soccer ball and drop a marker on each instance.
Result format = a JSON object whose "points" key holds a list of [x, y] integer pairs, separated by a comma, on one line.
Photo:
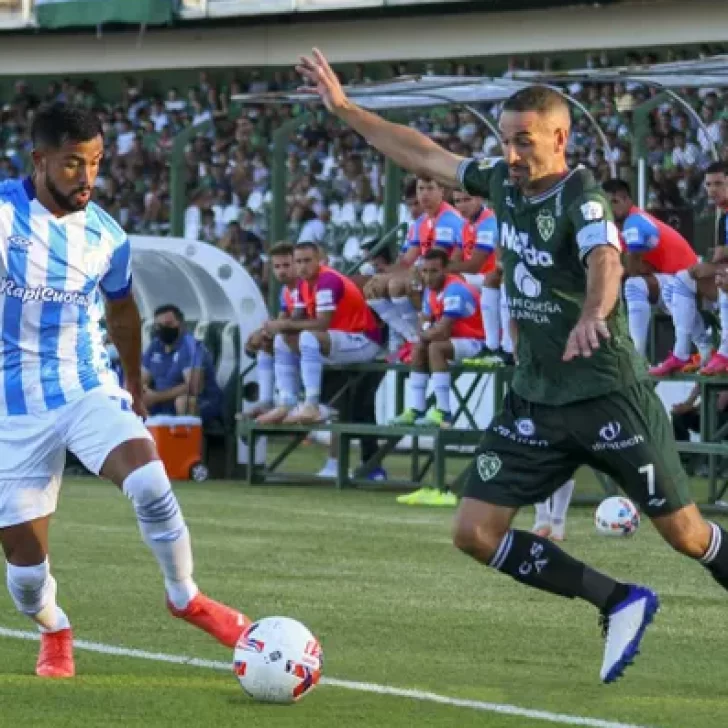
{"points": [[616, 516], [278, 660]]}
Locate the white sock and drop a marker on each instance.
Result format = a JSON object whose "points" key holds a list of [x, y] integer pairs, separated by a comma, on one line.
{"points": [[505, 317], [490, 306], [560, 501], [637, 296], [407, 315], [723, 313], [684, 313], [418, 390], [312, 366], [441, 384], [543, 513], [163, 529], [33, 590], [287, 371], [266, 378]]}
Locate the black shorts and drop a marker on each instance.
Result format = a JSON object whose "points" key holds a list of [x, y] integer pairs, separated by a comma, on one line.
{"points": [[530, 450]]}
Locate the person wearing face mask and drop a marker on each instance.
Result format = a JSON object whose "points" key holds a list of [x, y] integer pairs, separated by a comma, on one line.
{"points": [[179, 376]]}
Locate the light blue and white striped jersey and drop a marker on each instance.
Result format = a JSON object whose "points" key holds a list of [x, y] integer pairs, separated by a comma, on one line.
{"points": [[54, 274]]}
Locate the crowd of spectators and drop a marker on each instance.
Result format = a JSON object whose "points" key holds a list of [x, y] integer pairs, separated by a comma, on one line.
{"points": [[334, 178]]}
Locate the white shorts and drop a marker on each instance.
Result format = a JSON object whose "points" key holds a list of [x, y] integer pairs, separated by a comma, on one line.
{"points": [[474, 279], [466, 348], [33, 450], [665, 282], [348, 348]]}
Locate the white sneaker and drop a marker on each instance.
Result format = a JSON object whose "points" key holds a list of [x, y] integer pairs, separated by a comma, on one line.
{"points": [[624, 628], [558, 531], [328, 471]]}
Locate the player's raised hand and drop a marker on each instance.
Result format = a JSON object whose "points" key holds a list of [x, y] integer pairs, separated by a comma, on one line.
{"points": [[322, 79], [584, 337]]}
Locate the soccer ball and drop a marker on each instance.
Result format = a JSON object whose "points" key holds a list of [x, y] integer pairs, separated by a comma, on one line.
{"points": [[277, 660], [617, 516]]}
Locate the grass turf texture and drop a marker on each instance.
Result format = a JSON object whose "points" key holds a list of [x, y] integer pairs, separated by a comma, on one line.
{"points": [[392, 602]]}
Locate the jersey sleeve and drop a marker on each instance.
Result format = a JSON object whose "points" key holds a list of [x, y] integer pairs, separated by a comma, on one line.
{"points": [[116, 282], [458, 302], [476, 176], [449, 230], [188, 354], [486, 234], [282, 302], [329, 291], [640, 234], [147, 357], [591, 216]]}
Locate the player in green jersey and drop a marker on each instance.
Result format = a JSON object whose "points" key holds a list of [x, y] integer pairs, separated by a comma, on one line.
{"points": [[579, 394]]}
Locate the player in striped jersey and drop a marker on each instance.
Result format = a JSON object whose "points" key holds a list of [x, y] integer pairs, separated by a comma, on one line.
{"points": [[62, 260], [259, 345]]}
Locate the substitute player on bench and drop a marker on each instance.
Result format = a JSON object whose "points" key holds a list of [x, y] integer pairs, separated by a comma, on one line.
{"points": [[339, 328]]}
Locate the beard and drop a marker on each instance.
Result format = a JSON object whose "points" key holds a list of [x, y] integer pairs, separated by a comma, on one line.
{"points": [[66, 201]]}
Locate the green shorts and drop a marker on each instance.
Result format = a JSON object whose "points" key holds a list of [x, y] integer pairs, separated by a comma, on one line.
{"points": [[529, 450]]}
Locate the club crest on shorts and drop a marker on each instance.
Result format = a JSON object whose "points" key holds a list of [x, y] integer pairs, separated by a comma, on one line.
{"points": [[546, 224], [488, 465], [525, 427]]}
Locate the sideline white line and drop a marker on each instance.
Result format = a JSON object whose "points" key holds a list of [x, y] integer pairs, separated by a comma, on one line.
{"points": [[421, 695]]}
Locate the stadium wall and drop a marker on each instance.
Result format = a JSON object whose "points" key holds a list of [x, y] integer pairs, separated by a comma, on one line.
{"points": [[449, 36]]}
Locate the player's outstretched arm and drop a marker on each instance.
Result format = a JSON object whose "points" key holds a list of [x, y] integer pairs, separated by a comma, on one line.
{"points": [[125, 329], [604, 277], [408, 148]]}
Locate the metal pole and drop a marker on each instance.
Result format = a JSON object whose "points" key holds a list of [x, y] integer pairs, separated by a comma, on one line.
{"points": [[392, 198], [177, 191], [641, 183], [277, 225]]}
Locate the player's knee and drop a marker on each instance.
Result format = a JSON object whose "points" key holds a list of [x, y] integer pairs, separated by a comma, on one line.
{"points": [[636, 290], [148, 487], [309, 344], [684, 283], [280, 344], [28, 586], [420, 354]]}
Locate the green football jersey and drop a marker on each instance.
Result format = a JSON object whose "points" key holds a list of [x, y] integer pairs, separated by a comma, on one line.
{"points": [[544, 241]]}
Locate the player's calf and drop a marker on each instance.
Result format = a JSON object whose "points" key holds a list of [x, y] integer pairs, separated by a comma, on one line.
{"points": [[33, 591], [164, 530]]}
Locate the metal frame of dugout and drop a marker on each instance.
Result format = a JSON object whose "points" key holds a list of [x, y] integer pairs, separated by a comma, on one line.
{"points": [[428, 466]]}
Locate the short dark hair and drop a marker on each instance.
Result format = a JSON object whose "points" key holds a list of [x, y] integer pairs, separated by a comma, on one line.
{"points": [[617, 186], [717, 168], [541, 99], [437, 254], [307, 244], [281, 249], [55, 124], [426, 180], [385, 252], [169, 308]]}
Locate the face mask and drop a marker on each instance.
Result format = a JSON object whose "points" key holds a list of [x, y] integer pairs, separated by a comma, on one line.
{"points": [[167, 334]]}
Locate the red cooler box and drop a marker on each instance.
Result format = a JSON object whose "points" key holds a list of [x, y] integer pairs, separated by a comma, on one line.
{"points": [[179, 441]]}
